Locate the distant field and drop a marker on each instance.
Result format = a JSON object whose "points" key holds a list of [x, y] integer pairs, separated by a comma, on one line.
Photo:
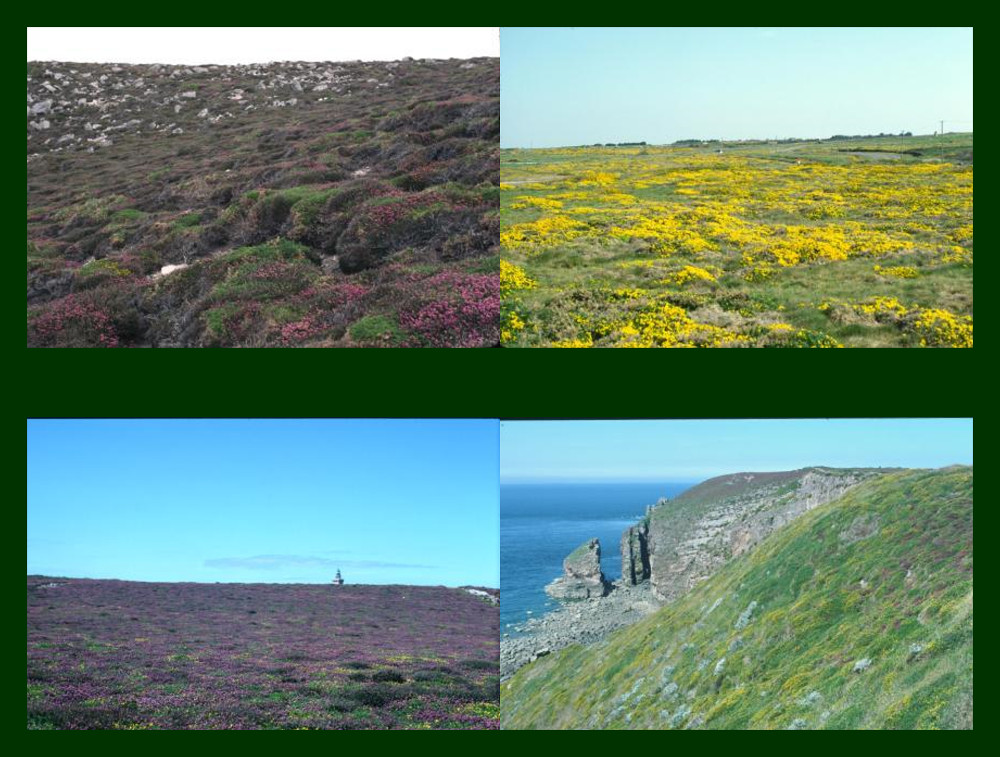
{"points": [[854, 243], [131, 656]]}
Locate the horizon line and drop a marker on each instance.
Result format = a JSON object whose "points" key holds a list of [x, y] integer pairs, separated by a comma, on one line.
{"points": [[739, 140], [254, 583]]}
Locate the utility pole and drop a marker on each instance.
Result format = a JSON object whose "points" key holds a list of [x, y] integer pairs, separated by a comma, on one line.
{"points": [[942, 128]]}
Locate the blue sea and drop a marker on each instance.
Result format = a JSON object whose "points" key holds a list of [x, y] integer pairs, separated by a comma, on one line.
{"points": [[541, 523]]}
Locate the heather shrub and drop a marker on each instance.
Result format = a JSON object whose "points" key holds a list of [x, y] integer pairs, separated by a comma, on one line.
{"points": [[399, 221], [451, 308], [70, 322], [280, 209], [393, 676]]}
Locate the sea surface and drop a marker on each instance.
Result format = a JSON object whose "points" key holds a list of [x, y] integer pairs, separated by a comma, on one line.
{"points": [[541, 523]]}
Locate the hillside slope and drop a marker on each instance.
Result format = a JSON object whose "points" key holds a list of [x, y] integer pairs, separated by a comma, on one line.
{"points": [[857, 614], [287, 204]]}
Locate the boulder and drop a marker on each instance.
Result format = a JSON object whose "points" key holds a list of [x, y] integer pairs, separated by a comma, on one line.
{"points": [[582, 576]]}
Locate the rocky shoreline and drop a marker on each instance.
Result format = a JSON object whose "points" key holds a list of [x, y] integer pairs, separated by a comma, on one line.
{"points": [[584, 622]]}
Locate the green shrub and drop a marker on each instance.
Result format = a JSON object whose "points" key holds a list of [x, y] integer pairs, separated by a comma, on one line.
{"points": [[187, 220], [376, 328]]}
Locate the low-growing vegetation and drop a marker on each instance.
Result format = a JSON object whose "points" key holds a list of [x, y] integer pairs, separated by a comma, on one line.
{"points": [[139, 656], [284, 205], [739, 245]]}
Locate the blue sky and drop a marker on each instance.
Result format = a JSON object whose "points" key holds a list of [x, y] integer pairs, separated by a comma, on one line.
{"points": [[684, 450], [570, 86], [386, 501]]}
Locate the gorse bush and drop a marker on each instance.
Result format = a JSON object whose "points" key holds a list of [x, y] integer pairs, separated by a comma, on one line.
{"points": [[663, 220]]}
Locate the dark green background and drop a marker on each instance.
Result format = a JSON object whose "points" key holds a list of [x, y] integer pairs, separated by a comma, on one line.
{"points": [[501, 383]]}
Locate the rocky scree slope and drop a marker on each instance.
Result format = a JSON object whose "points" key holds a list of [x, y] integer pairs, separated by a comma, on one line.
{"points": [[856, 615], [278, 205]]}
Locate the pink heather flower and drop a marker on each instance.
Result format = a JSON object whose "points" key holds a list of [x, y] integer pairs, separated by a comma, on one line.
{"points": [[69, 321]]}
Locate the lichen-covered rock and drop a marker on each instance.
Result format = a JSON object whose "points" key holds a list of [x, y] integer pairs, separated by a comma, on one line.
{"points": [[582, 576], [744, 619]]}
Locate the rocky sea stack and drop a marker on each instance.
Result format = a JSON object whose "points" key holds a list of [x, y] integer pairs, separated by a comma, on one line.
{"points": [[582, 577]]}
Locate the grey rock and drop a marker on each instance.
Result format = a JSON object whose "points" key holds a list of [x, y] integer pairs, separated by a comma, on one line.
{"points": [[635, 554], [684, 553], [582, 576], [680, 716], [41, 108], [862, 665], [811, 698], [189, 94], [798, 725], [744, 619]]}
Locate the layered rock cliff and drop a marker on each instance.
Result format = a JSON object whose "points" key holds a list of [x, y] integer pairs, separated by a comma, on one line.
{"points": [[691, 537]]}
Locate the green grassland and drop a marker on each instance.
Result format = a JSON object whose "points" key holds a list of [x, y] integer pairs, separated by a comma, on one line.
{"points": [[857, 615]]}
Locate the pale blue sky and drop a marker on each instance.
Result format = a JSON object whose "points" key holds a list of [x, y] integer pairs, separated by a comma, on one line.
{"points": [[569, 86], [386, 501], [684, 450]]}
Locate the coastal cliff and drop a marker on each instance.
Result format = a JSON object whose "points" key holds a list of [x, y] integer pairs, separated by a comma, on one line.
{"points": [[857, 614], [689, 538]]}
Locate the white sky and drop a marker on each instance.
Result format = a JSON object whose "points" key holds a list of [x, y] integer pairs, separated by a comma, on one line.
{"points": [[245, 44]]}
